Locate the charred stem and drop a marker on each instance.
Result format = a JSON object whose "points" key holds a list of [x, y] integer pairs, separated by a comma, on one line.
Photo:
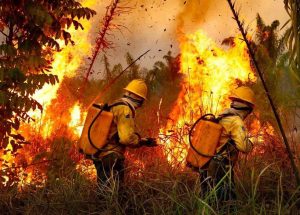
{"points": [[101, 41]]}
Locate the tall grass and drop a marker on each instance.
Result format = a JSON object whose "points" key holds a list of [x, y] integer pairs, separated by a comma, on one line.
{"points": [[158, 189], [264, 185]]}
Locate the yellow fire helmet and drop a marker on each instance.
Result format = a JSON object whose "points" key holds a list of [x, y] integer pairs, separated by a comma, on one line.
{"points": [[137, 87], [243, 94]]}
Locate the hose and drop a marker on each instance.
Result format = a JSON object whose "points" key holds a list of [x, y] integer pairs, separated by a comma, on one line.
{"points": [[204, 117], [101, 107], [94, 120]]}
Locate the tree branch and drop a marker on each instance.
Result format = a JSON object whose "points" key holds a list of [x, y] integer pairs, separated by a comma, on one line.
{"points": [[3, 33], [114, 9]]}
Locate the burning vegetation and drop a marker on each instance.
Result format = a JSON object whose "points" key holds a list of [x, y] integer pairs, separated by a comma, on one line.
{"points": [[46, 93], [210, 74]]}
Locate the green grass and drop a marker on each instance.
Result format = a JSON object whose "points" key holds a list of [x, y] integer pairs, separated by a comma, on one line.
{"points": [[264, 183], [159, 189]]}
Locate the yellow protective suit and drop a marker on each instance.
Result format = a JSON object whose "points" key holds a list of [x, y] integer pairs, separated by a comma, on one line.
{"points": [[122, 131], [219, 171], [234, 139], [234, 129]]}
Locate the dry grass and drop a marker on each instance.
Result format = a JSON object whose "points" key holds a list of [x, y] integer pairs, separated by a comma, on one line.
{"points": [[159, 188], [264, 180]]}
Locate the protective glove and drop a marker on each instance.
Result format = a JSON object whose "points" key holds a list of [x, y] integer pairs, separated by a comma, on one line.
{"points": [[149, 142]]}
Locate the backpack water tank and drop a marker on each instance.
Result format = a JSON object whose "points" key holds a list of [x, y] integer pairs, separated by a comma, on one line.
{"points": [[96, 130], [204, 139]]}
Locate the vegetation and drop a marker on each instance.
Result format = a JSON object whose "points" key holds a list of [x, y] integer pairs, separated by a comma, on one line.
{"points": [[274, 61], [152, 185], [159, 189], [292, 35], [30, 40], [64, 183]]}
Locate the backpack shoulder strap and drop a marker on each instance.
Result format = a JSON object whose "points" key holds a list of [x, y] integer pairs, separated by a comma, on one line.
{"points": [[122, 102], [224, 116], [230, 141]]}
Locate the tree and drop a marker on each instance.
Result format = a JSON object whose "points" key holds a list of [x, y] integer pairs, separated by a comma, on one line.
{"points": [[163, 74], [273, 60], [30, 29], [266, 36], [292, 36], [133, 72], [173, 64], [268, 48], [108, 74]]}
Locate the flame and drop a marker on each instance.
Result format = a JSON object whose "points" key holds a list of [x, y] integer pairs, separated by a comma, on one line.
{"points": [[259, 133], [210, 73], [66, 63], [76, 123], [87, 168]]}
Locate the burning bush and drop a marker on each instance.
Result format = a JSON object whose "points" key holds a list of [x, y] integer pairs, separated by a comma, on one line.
{"points": [[50, 175]]}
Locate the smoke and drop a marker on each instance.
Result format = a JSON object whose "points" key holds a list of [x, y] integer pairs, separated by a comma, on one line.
{"points": [[157, 24], [214, 16], [192, 14]]}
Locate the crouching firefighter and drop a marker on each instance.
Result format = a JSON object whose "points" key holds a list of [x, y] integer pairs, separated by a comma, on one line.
{"points": [[219, 143], [109, 129]]}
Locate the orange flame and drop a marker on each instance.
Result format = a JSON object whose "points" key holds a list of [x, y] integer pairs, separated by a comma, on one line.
{"points": [[210, 73], [66, 64], [76, 123]]}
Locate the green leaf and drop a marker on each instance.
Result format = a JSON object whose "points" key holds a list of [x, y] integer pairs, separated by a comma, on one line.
{"points": [[3, 98], [15, 75], [37, 25]]}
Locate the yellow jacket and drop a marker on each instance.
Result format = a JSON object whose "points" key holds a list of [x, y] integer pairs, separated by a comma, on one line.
{"points": [[234, 129], [122, 131]]}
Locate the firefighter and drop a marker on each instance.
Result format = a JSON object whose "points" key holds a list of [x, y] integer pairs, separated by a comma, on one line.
{"points": [[234, 139], [109, 162]]}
